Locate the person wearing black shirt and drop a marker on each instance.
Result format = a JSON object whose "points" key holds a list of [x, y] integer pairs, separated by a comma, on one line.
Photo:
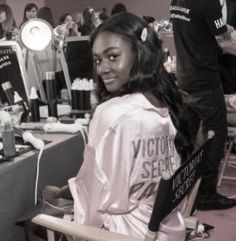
{"points": [[198, 30], [228, 61]]}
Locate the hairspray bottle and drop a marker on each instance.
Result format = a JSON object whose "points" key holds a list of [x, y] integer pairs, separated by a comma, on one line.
{"points": [[51, 94], [34, 105]]}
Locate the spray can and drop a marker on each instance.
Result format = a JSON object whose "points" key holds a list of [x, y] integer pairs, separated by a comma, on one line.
{"points": [[51, 94], [34, 105]]}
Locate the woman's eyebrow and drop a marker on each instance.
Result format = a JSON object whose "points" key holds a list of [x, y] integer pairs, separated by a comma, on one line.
{"points": [[106, 50]]}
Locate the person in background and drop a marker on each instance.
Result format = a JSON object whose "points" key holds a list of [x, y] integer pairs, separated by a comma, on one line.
{"points": [[228, 61], [102, 17], [99, 18], [8, 28], [71, 25], [30, 12], [197, 34], [118, 8], [152, 22], [104, 11], [136, 132], [227, 68], [45, 13], [78, 18], [89, 21]]}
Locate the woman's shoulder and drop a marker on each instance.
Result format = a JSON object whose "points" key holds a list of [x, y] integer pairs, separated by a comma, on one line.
{"points": [[118, 105], [129, 111], [111, 110], [125, 107]]}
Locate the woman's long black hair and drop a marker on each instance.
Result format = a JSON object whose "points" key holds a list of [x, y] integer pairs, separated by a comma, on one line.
{"points": [[28, 7], [147, 73]]}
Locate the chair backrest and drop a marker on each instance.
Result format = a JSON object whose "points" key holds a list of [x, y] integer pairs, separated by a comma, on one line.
{"points": [[173, 189]]}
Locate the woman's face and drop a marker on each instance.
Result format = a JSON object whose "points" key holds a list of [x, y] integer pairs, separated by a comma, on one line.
{"points": [[68, 19], [113, 57], [3, 16], [32, 13]]}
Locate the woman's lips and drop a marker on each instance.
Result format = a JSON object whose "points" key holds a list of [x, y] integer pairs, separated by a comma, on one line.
{"points": [[109, 80]]}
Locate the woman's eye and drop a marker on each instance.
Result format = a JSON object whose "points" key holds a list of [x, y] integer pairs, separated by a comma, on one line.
{"points": [[112, 57], [96, 61]]}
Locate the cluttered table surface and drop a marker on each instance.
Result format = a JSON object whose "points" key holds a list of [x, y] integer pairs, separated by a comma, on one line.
{"points": [[61, 159]]}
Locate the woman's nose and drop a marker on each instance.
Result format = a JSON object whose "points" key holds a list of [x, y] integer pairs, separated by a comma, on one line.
{"points": [[104, 67]]}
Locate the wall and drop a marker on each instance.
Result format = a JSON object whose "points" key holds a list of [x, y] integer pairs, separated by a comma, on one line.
{"points": [[18, 6], [155, 8]]}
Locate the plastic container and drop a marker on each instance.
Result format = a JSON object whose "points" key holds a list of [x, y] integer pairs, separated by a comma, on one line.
{"points": [[8, 140]]}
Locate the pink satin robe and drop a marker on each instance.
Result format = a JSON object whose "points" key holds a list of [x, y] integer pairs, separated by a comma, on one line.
{"points": [[130, 143]]}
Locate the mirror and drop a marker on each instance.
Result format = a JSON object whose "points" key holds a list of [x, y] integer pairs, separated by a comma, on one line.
{"points": [[78, 57], [12, 69]]}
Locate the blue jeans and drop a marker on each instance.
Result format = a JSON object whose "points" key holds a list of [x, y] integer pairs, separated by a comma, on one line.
{"points": [[209, 107]]}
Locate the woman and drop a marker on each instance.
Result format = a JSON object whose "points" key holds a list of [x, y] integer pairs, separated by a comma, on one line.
{"points": [[45, 13], [71, 25], [134, 132], [30, 12], [89, 21], [8, 29], [118, 8]]}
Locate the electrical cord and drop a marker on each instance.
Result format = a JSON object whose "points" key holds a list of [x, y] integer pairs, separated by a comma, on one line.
{"points": [[38, 144], [37, 175]]}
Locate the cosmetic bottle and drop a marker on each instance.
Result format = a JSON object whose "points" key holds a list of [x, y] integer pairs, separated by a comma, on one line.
{"points": [[77, 94], [34, 105], [86, 95], [19, 101], [51, 94], [74, 95], [166, 54], [9, 92], [8, 140], [80, 96], [93, 98]]}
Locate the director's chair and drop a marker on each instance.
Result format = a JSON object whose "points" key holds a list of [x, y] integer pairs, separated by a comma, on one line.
{"points": [[231, 138], [170, 193]]}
